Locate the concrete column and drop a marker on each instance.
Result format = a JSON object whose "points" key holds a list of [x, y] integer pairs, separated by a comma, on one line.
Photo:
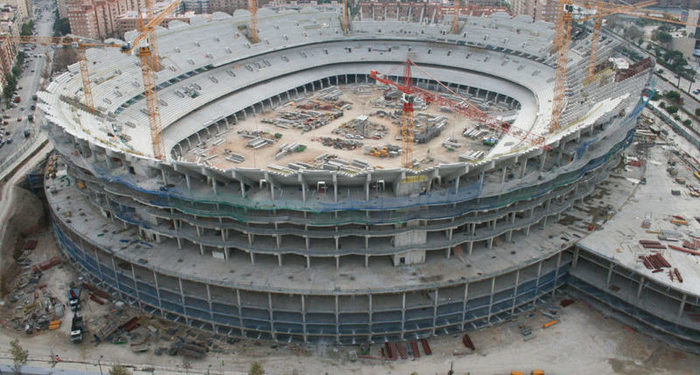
{"points": [[641, 286], [537, 280], [493, 289], [337, 320], [211, 311], [182, 297], [543, 159], [136, 285], [682, 306], [471, 247], [515, 290], [335, 187], [464, 305], [272, 317], [252, 257], [610, 273], [116, 277], [403, 315], [97, 260], [240, 312], [369, 296], [435, 308], [556, 273], [155, 283]]}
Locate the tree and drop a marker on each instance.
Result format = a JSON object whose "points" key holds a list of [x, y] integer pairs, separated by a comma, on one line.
{"points": [[687, 122], [673, 96], [697, 112], [663, 37], [662, 105], [63, 57], [27, 28], [119, 370], [633, 32], [256, 369], [671, 109], [61, 27], [656, 96], [19, 355]]}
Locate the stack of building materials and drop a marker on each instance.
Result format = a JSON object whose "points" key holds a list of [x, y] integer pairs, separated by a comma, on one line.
{"points": [[655, 262], [472, 156]]}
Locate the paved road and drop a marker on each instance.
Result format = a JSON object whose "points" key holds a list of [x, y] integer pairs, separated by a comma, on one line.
{"points": [[30, 80], [690, 102]]}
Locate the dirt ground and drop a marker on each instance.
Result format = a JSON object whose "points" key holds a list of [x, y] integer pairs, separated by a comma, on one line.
{"points": [[362, 104], [584, 342]]}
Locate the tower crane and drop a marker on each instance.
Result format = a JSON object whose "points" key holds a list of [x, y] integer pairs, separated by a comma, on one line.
{"points": [[463, 106], [455, 20], [146, 32], [80, 44], [570, 12], [346, 17], [253, 8]]}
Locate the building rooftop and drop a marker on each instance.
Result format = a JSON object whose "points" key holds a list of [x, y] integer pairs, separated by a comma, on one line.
{"points": [[619, 237]]}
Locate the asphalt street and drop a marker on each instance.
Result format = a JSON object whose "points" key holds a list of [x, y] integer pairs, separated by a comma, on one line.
{"points": [[27, 85]]}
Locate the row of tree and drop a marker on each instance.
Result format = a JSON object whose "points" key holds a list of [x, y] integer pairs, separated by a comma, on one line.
{"points": [[20, 356], [12, 77]]}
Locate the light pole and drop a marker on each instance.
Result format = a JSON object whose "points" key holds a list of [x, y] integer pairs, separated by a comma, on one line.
{"points": [[99, 363]]}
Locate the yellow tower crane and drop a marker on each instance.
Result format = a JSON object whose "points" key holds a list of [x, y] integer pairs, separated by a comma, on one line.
{"points": [[253, 8], [80, 44], [146, 58], [575, 11], [455, 19], [346, 17]]}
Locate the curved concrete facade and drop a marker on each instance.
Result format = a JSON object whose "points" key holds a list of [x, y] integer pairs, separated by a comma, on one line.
{"points": [[378, 255]]}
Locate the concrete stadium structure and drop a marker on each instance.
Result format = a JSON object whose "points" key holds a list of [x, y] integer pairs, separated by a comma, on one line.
{"points": [[382, 254]]}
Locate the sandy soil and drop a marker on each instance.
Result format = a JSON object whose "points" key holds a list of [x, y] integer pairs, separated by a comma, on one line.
{"points": [[584, 342], [361, 105]]}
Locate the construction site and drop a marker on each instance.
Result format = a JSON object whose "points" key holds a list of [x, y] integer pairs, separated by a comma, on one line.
{"points": [[351, 128], [294, 178]]}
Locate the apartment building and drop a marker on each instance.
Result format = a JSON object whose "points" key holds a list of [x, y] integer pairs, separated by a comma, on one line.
{"points": [[539, 10], [9, 25], [97, 19], [23, 8]]}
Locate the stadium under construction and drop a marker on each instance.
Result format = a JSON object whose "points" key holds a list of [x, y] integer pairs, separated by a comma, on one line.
{"points": [[282, 209]]}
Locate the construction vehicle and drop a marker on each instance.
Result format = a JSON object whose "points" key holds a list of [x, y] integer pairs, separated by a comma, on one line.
{"points": [[76, 329], [74, 299]]}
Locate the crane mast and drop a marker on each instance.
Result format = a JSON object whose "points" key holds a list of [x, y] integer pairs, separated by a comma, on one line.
{"points": [[455, 19], [149, 90], [407, 136], [346, 17], [253, 8]]}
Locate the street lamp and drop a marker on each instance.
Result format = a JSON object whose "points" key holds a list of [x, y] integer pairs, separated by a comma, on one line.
{"points": [[100, 364]]}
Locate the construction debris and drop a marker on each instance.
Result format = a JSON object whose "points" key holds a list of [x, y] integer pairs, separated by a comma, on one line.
{"points": [[338, 143]]}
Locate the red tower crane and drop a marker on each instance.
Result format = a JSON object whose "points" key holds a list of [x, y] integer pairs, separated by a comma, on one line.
{"points": [[463, 106]]}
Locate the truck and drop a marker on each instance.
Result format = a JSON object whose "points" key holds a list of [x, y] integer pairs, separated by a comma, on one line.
{"points": [[76, 329], [74, 299]]}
